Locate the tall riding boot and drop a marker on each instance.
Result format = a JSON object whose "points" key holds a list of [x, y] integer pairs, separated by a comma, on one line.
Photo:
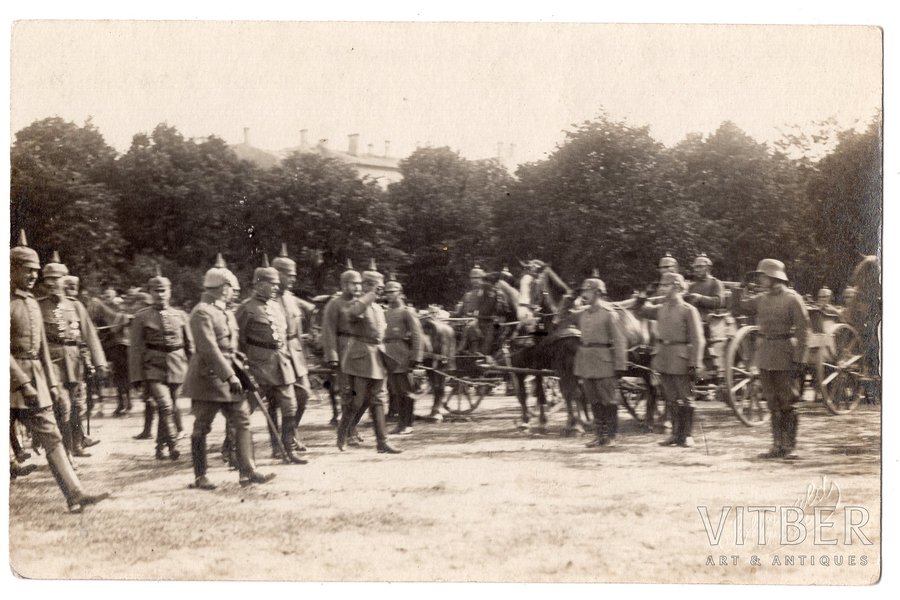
{"points": [[677, 426], [378, 423], [353, 438], [612, 423], [777, 450], [302, 401], [176, 420], [272, 407], [147, 432], [17, 470], [401, 414], [344, 426], [21, 455], [229, 451], [650, 418], [687, 424], [68, 482], [245, 450], [287, 438], [599, 426], [790, 420], [410, 414], [77, 433], [198, 459], [122, 400]]}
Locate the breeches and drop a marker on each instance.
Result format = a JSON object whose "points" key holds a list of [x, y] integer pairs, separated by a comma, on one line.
{"points": [[676, 389], [72, 402], [601, 392], [366, 391], [42, 425], [399, 385], [283, 397], [236, 414], [778, 389]]}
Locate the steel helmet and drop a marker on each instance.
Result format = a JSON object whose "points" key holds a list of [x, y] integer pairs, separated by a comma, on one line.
{"points": [[773, 268], [24, 256], [702, 261], [667, 261]]}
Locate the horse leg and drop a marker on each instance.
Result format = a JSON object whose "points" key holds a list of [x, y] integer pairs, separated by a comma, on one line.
{"points": [[568, 386], [541, 400], [437, 387]]}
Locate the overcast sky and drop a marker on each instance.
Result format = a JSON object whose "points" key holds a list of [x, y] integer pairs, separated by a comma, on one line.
{"points": [[467, 86]]}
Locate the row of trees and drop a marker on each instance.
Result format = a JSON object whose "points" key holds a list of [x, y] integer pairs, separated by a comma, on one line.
{"points": [[609, 197]]}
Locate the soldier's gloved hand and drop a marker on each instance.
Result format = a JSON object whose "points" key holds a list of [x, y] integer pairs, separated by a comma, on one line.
{"points": [[332, 364], [30, 395], [234, 385]]}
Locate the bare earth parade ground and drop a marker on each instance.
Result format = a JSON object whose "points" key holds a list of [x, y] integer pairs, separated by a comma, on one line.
{"points": [[474, 500]]}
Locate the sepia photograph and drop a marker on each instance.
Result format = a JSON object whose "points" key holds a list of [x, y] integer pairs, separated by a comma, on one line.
{"points": [[445, 302]]}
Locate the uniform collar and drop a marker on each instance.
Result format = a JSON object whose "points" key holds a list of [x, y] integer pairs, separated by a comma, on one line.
{"points": [[23, 293]]}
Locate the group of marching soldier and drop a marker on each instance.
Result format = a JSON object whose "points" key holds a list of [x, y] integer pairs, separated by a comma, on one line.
{"points": [[225, 349]]}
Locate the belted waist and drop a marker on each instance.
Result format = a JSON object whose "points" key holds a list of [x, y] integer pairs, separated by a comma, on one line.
{"points": [[57, 341], [778, 336], [395, 339], [26, 355], [165, 348], [596, 344], [292, 336], [673, 343], [364, 338], [266, 345]]}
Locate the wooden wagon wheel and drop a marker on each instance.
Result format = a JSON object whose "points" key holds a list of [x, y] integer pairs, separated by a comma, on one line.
{"points": [[641, 399], [841, 370], [743, 391], [464, 397]]}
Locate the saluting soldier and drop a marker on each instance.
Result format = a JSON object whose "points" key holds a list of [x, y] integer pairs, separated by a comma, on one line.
{"points": [[364, 361], [601, 358], [706, 292], [294, 309], [75, 350], [212, 384], [263, 338], [783, 328], [158, 358], [335, 336], [678, 356], [403, 343], [33, 382]]}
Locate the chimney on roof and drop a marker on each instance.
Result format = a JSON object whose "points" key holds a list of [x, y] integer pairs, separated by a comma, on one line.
{"points": [[246, 136], [353, 144], [387, 148], [304, 144], [371, 150]]}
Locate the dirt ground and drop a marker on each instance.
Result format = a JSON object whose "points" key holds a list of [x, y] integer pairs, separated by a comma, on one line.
{"points": [[468, 500]]}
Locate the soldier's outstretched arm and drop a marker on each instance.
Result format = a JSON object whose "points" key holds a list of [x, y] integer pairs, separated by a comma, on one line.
{"points": [[357, 308]]}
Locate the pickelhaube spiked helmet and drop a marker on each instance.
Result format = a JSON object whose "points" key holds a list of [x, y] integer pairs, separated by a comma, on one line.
{"points": [[350, 275], [392, 284], [284, 263], [594, 282], [55, 268], [158, 282], [22, 255], [667, 261], [372, 274], [218, 275], [476, 271], [265, 272], [701, 261]]}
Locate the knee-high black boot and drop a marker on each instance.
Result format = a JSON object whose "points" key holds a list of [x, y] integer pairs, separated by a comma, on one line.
{"points": [[612, 423], [378, 423], [677, 426], [248, 472], [272, 407], [790, 420], [777, 450], [68, 482], [346, 422], [287, 438], [147, 432], [599, 426], [198, 459]]}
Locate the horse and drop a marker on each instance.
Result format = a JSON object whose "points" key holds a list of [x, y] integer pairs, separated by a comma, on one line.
{"points": [[439, 356]]}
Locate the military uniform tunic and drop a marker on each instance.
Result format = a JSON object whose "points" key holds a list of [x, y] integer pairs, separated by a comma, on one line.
{"points": [[160, 345], [711, 296], [679, 343], [603, 351], [403, 337], [216, 337], [69, 328]]}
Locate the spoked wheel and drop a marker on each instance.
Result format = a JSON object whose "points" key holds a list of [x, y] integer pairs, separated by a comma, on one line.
{"points": [[555, 400], [841, 371], [639, 395], [744, 392], [463, 397]]}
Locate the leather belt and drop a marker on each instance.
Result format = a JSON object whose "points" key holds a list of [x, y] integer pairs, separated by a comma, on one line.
{"points": [[266, 345], [365, 339], [163, 348], [779, 336], [26, 356], [672, 343], [596, 344], [394, 339], [292, 336], [61, 342]]}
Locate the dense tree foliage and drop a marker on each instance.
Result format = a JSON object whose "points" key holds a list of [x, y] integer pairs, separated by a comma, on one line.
{"points": [[609, 197]]}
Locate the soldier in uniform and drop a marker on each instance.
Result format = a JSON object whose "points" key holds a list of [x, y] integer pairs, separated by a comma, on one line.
{"points": [[364, 361], [112, 326], [783, 327], [335, 335], [158, 358], [211, 382], [403, 343], [600, 359], [75, 350], [667, 264], [294, 309], [678, 355], [708, 295], [33, 382], [468, 308], [263, 338]]}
